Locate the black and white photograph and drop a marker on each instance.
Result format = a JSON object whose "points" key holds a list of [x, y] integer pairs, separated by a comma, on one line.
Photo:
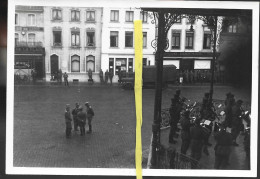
{"points": [[71, 88]]}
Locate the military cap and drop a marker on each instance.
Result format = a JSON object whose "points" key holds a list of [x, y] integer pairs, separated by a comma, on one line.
{"points": [[239, 101], [80, 107], [186, 113], [228, 94], [86, 104], [178, 91], [207, 94]]}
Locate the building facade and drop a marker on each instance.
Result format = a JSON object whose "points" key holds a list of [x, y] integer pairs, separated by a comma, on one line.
{"points": [[29, 40], [189, 48], [72, 42], [118, 40]]}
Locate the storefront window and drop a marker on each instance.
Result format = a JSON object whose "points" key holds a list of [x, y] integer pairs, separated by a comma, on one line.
{"points": [[130, 65], [111, 65], [120, 65]]}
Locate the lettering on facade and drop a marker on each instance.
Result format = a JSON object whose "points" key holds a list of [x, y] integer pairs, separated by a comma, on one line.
{"points": [[25, 29]]}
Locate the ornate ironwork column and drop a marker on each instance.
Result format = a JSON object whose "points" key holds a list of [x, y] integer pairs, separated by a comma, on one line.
{"points": [[214, 56], [158, 87]]}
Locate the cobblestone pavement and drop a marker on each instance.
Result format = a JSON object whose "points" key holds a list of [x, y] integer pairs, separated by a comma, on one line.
{"points": [[39, 127]]}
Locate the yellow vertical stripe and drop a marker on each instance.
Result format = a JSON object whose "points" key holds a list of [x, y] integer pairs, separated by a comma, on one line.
{"points": [[138, 34]]}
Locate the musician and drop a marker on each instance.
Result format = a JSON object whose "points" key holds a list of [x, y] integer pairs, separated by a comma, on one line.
{"points": [[173, 121], [237, 124], [206, 113], [197, 139], [185, 132], [229, 102], [223, 147]]}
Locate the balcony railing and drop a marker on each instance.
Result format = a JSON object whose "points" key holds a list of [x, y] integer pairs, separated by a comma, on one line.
{"points": [[28, 44]]}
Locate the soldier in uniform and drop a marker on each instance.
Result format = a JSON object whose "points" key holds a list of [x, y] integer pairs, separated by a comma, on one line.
{"points": [[223, 147], [111, 77], [65, 76], [237, 124], [229, 103], [185, 132], [82, 116], [90, 75], [68, 121], [106, 76], [101, 76], [75, 118], [197, 139], [90, 115]]}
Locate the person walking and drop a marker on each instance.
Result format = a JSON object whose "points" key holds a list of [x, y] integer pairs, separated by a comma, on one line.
{"points": [[237, 124], [185, 132], [111, 76], [222, 147], [65, 76], [106, 76], [75, 117], [90, 115], [101, 76], [82, 116], [68, 121]]}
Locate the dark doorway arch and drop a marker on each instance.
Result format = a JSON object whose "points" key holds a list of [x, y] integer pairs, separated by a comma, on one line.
{"points": [[54, 64]]}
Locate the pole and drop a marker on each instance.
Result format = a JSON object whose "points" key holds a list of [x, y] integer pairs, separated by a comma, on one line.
{"points": [[214, 57], [158, 88]]}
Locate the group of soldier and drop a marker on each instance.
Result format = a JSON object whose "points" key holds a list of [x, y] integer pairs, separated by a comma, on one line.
{"points": [[79, 117], [198, 76], [108, 75], [195, 135]]}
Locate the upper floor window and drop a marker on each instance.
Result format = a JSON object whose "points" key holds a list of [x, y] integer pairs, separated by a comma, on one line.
{"points": [[144, 39], [114, 39], [189, 40], [75, 15], [207, 41], [176, 40], [75, 38], [56, 14], [31, 39], [232, 28], [31, 19], [57, 38], [144, 15], [114, 16], [90, 15], [90, 39], [128, 39], [16, 19], [129, 16]]}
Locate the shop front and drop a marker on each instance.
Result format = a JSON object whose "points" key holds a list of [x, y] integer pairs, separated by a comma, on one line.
{"points": [[27, 59]]}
